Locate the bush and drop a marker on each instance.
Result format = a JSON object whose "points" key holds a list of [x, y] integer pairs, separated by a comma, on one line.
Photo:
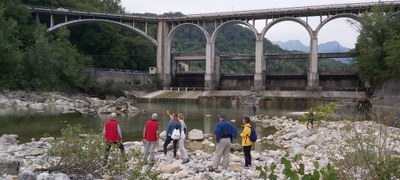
{"points": [[77, 152], [321, 112], [296, 170]]}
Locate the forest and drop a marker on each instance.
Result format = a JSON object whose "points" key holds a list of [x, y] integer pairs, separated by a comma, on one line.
{"points": [[34, 60]]}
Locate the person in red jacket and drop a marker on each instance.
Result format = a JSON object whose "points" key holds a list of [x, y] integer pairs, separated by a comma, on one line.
{"points": [[112, 134], [150, 138]]}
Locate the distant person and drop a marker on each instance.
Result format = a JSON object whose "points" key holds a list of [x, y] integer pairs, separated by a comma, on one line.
{"points": [[254, 109], [173, 124], [224, 133], [246, 142], [311, 119], [150, 138], [182, 150], [112, 134]]}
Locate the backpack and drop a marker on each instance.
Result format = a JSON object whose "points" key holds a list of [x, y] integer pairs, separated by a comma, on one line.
{"points": [[253, 134], [176, 134]]}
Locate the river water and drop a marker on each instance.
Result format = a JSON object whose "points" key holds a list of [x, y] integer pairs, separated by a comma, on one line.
{"points": [[28, 124]]}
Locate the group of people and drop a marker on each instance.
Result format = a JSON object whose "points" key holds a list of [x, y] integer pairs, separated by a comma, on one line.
{"points": [[224, 134]]}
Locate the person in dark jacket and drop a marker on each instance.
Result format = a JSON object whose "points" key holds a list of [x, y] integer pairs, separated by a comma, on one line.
{"points": [[224, 133], [112, 134]]}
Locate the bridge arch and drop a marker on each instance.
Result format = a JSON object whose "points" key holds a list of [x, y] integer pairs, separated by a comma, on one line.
{"points": [[213, 64], [172, 33], [168, 61], [87, 21], [325, 21], [221, 26], [301, 22]]}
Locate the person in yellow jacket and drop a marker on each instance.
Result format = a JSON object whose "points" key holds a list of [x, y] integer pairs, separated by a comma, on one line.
{"points": [[246, 143]]}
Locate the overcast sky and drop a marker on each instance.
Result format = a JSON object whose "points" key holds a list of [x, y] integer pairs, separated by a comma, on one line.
{"points": [[339, 29]]}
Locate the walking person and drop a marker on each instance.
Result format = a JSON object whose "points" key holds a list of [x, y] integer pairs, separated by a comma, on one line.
{"points": [[112, 134], [311, 119], [150, 138], [246, 142], [182, 150], [172, 124], [224, 133]]}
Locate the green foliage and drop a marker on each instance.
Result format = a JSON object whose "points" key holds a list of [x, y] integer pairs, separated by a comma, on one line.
{"points": [[53, 64], [377, 47], [79, 152], [10, 55], [320, 112], [296, 170]]}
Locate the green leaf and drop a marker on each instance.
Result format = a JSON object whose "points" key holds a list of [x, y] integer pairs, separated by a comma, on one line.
{"points": [[301, 169], [297, 157], [273, 167], [316, 165]]}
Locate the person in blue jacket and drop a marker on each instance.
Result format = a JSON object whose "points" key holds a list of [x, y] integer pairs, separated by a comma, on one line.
{"points": [[172, 124], [224, 133]]}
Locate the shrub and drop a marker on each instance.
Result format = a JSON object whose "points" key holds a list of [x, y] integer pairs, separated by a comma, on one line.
{"points": [[296, 170], [77, 152], [321, 112]]}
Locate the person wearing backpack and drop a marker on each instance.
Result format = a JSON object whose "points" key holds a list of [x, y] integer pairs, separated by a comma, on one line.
{"points": [[246, 142], [172, 124], [185, 157]]}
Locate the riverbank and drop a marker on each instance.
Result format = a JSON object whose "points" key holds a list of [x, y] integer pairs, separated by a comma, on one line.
{"points": [[62, 103], [324, 145], [249, 97]]}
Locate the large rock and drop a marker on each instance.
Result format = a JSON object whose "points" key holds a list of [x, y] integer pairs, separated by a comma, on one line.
{"points": [[8, 166], [27, 175], [196, 135], [60, 176], [236, 147], [8, 139], [172, 168]]}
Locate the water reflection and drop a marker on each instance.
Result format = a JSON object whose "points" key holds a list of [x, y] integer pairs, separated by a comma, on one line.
{"points": [[29, 124]]}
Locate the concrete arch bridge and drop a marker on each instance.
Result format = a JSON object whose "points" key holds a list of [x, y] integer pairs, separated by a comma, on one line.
{"points": [[168, 27]]}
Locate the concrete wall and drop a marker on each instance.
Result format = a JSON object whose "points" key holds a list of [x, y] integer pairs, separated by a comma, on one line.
{"points": [[388, 94], [116, 76], [236, 82], [340, 84], [300, 83]]}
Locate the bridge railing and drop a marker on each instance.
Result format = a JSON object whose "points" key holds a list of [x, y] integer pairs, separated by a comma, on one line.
{"points": [[289, 9], [118, 70]]}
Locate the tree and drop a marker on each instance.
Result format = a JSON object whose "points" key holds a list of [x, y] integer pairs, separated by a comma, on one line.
{"points": [[10, 55], [52, 63], [377, 47]]}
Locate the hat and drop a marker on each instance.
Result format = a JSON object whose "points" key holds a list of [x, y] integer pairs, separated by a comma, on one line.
{"points": [[221, 116]]}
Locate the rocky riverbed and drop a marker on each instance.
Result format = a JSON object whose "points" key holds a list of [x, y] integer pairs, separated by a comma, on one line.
{"points": [[63, 103], [318, 144]]}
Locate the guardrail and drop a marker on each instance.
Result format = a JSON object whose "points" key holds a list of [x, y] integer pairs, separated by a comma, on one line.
{"points": [[119, 70]]}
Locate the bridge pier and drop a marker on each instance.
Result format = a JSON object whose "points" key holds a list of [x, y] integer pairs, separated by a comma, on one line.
{"points": [[210, 82], [312, 74], [260, 64]]}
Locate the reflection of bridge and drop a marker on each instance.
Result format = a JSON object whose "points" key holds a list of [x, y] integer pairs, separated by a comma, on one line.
{"points": [[167, 27]]}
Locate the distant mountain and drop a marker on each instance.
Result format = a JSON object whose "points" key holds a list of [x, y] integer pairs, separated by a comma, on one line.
{"points": [[332, 47], [296, 45], [328, 47], [292, 45]]}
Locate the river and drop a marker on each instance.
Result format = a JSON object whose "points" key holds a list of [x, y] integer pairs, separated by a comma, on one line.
{"points": [[28, 124]]}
